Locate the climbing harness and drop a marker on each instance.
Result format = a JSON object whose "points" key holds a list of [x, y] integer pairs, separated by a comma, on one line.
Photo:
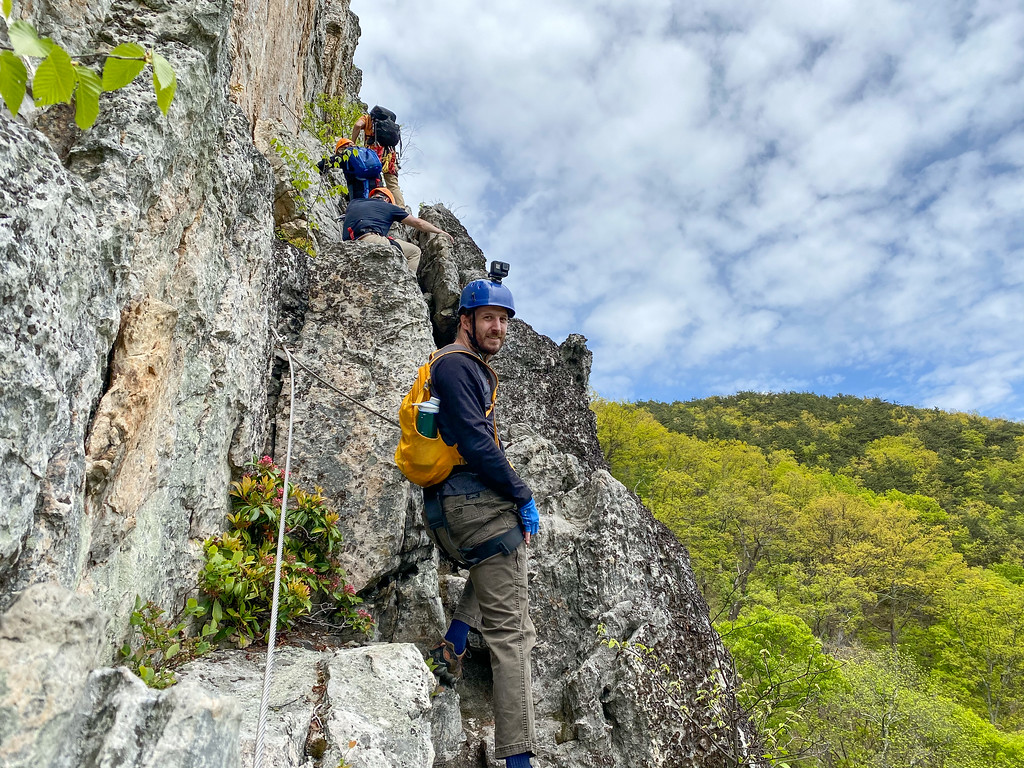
{"points": [[465, 557]]}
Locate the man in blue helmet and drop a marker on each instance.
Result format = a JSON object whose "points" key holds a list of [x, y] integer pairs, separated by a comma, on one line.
{"points": [[489, 511]]}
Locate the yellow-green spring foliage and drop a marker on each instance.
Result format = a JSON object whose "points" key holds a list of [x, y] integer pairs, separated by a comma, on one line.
{"points": [[869, 554], [237, 579], [59, 78]]}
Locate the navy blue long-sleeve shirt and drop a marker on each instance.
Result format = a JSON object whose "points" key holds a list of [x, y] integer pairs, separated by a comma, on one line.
{"points": [[464, 387]]}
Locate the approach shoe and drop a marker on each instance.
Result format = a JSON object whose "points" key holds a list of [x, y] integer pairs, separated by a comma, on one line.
{"points": [[447, 663]]}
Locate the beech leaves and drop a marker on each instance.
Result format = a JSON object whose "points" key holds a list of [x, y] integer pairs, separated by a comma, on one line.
{"points": [[58, 79], [123, 65]]}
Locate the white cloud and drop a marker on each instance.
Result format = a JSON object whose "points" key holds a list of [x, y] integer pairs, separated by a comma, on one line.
{"points": [[729, 193]]}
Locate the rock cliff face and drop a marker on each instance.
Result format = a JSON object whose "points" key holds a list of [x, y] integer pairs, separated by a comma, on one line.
{"points": [[140, 296]]}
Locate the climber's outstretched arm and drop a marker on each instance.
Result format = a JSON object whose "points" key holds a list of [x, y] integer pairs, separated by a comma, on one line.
{"points": [[425, 226]]}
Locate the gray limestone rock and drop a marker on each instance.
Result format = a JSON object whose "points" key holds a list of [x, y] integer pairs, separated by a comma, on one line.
{"points": [[414, 614], [119, 721], [295, 692], [364, 337], [549, 386], [50, 639], [447, 733], [320, 701], [340, 76], [379, 697], [59, 291], [142, 217], [445, 269]]}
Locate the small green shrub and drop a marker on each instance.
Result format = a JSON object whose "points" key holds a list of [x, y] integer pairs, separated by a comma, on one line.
{"points": [[161, 648], [330, 117], [238, 576], [343, 760], [303, 243]]}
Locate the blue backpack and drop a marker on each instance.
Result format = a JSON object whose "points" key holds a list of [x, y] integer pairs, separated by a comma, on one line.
{"points": [[360, 163]]}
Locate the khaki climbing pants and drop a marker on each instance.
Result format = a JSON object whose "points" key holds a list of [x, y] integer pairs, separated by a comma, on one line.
{"points": [[391, 182], [410, 251], [496, 603]]}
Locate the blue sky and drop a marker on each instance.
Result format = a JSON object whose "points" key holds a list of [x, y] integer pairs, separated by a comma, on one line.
{"points": [[813, 196]]}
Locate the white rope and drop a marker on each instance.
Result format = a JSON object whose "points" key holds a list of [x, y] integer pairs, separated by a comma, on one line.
{"points": [[261, 728]]}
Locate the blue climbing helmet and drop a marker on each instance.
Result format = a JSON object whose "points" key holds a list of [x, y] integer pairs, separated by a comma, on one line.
{"points": [[486, 293]]}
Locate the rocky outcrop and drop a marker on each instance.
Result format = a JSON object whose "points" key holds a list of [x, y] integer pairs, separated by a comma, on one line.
{"points": [[144, 225], [269, 37], [60, 706], [602, 561], [119, 721], [359, 349], [321, 702], [169, 216], [444, 269], [379, 698], [50, 640], [59, 309], [141, 301]]}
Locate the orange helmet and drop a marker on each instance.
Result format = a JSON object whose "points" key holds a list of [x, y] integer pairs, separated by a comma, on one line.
{"points": [[342, 143], [385, 192]]}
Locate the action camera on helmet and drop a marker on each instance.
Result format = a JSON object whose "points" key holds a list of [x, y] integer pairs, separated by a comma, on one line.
{"points": [[499, 269]]}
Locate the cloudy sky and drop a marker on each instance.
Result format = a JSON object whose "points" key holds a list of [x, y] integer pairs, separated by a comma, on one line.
{"points": [[820, 196]]}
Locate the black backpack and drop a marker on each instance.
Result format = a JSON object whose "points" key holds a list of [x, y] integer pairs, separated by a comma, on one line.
{"points": [[385, 130]]}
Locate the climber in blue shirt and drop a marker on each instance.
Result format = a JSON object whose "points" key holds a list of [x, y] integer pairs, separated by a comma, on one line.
{"points": [[485, 502], [370, 219]]}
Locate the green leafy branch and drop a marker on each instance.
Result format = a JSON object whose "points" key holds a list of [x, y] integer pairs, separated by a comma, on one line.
{"points": [[330, 117], [160, 647], [58, 78], [327, 118]]}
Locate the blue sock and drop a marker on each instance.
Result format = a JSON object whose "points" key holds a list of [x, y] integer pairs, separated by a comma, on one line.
{"points": [[457, 635], [522, 760]]}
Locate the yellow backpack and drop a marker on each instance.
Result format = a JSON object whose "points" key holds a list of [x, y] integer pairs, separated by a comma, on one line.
{"points": [[425, 460]]}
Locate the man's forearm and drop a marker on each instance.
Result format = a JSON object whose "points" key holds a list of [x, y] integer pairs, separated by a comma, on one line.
{"points": [[425, 226]]}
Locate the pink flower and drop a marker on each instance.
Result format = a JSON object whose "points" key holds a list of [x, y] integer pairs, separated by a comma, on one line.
{"points": [[349, 589], [363, 614], [266, 461]]}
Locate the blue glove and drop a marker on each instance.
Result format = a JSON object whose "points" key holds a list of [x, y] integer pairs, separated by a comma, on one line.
{"points": [[530, 516]]}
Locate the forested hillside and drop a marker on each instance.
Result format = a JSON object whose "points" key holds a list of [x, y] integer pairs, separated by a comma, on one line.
{"points": [[864, 562], [970, 465]]}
